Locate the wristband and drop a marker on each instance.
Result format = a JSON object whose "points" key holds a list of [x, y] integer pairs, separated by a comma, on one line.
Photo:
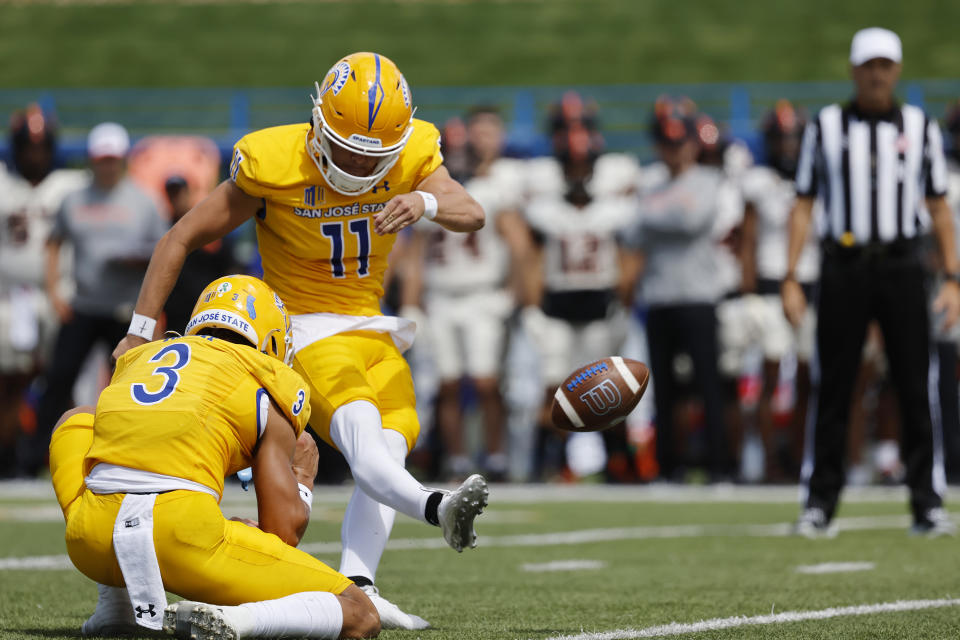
{"points": [[306, 495], [429, 204], [142, 326]]}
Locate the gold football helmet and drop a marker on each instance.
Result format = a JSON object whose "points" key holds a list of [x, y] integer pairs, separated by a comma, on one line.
{"points": [[363, 106], [245, 305]]}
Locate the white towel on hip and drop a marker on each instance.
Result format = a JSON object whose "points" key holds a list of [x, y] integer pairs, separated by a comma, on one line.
{"points": [[137, 557]]}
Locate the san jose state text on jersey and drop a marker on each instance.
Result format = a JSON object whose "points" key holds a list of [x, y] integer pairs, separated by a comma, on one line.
{"points": [[354, 209]]}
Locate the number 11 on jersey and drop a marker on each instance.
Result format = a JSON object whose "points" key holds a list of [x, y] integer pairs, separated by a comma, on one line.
{"points": [[334, 231]]}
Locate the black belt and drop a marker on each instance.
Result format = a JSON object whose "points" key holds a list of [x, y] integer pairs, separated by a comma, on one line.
{"points": [[871, 251]]}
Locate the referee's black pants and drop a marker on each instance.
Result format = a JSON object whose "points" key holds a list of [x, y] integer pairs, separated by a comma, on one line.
{"points": [[854, 289]]}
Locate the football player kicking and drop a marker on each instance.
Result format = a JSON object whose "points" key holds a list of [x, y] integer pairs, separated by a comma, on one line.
{"points": [[140, 476], [328, 198]]}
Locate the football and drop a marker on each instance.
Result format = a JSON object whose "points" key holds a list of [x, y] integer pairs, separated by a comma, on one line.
{"points": [[599, 395]]}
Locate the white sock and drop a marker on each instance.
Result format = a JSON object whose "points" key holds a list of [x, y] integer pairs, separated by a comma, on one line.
{"points": [[357, 431], [367, 523], [311, 614], [364, 534]]}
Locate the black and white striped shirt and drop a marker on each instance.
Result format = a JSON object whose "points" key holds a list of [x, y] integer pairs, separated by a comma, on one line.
{"points": [[872, 172]]}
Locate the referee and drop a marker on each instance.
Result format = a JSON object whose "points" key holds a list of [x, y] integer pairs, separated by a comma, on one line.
{"points": [[873, 163]]}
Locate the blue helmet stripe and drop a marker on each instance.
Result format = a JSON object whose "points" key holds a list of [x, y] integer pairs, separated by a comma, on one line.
{"points": [[375, 92]]}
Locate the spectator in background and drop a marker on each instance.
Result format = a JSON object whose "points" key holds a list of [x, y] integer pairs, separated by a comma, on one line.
{"points": [[204, 265], [460, 279], [579, 202], [768, 192], [717, 151], [673, 239], [112, 226], [30, 194]]}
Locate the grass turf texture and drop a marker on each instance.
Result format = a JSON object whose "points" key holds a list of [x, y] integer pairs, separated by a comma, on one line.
{"points": [[484, 593], [560, 42]]}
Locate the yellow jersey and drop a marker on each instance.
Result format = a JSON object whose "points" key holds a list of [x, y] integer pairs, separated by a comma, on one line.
{"points": [[318, 247], [192, 408]]}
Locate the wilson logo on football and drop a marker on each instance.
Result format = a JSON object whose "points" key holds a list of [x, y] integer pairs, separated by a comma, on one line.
{"points": [[602, 398]]}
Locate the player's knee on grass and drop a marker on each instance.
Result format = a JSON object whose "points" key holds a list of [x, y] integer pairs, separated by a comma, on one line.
{"points": [[360, 617]]}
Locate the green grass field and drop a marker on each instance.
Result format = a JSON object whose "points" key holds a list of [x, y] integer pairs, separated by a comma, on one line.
{"points": [[640, 558], [117, 43]]}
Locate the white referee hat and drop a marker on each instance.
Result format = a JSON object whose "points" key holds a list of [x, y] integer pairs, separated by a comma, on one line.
{"points": [[108, 140], [875, 43]]}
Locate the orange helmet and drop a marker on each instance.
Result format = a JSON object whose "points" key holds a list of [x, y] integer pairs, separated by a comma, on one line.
{"points": [[364, 106], [245, 305]]}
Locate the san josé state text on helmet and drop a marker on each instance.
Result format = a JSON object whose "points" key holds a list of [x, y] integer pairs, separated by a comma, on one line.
{"points": [[245, 305]]}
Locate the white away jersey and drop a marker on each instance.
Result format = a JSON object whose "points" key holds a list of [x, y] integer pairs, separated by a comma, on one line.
{"points": [[460, 263], [614, 174], [26, 217], [773, 196], [580, 245]]}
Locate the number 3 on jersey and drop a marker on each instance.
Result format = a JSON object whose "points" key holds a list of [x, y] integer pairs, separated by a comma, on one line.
{"points": [[360, 229], [139, 391]]}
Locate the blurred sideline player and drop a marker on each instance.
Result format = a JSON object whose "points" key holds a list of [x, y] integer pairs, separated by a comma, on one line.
{"points": [[461, 282], [768, 192], [205, 264], [140, 476], [328, 198], [30, 194], [718, 152], [579, 201], [674, 239]]}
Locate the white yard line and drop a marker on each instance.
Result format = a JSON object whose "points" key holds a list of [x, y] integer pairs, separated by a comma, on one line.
{"points": [[49, 563], [562, 565], [583, 536], [716, 624], [836, 567], [544, 493]]}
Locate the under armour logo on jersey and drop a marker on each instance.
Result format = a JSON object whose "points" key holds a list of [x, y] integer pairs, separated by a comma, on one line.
{"points": [[385, 186], [140, 610], [603, 398]]}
